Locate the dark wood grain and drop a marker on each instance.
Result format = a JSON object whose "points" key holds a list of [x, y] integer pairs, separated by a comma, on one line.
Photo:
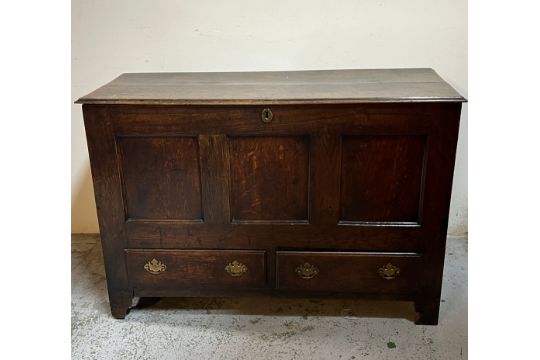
{"points": [[186, 171], [196, 268], [325, 164], [438, 188], [269, 178], [170, 234], [347, 272], [161, 177], [215, 178], [360, 119], [275, 87], [110, 205], [381, 178]]}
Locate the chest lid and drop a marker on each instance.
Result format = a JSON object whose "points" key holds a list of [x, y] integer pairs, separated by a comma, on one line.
{"points": [[276, 87]]}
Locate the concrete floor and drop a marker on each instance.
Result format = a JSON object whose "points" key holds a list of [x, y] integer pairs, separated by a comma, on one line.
{"points": [[262, 327]]}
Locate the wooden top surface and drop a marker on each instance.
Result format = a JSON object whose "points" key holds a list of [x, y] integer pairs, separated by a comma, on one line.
{"points": [[276, 87]]}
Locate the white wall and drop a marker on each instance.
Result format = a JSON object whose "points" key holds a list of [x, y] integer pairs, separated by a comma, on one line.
{"points": [[112, 37]]}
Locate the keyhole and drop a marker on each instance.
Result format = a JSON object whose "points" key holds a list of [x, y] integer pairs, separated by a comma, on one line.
{"points": [[267, 115]]}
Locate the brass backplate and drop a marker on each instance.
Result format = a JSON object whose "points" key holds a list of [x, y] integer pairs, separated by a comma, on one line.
{"points": [[389, 271], [155, 267], [236, 268], [307, 271]]}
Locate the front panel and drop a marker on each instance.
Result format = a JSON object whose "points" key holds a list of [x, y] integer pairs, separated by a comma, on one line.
{"points": [[161, 177], [381, 178], [269, 178], [349, 177]]}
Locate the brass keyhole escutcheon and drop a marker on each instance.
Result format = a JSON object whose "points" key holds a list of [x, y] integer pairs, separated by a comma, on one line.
{"points": [[267, 115], [236, 268], [388, 271], [155, 267], [307, 271]]}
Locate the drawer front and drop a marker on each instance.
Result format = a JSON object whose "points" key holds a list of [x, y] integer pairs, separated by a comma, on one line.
{"points": [[219, 269], [376, 273]]}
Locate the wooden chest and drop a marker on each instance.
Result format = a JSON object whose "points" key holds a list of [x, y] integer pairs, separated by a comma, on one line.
{"points": [[309, 183]]}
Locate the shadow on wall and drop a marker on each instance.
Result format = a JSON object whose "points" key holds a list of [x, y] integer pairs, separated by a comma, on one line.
{"points": [[83, 204]]}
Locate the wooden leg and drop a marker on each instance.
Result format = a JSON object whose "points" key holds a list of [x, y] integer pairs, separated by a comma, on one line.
{"points": [[108, 186], [120, 305], [428, 312]]}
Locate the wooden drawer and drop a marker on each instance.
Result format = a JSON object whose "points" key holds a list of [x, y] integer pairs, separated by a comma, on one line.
{"points": [[167, 269], [377, 273]]}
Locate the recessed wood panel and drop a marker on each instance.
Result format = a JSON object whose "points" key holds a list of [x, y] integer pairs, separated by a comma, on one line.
{"points": [[269, 178], [161, 177], [381, 178]]}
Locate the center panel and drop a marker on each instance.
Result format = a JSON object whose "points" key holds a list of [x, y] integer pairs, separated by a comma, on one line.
{"points": [[269, 178]]}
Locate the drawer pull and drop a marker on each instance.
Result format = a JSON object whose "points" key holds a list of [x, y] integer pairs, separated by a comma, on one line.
{"points": [[389, 271], [307, 271], [267, 115], [155, 267], [236, 268]]}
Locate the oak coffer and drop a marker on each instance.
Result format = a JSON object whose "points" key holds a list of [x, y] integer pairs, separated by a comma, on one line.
{"points": [[305, 183]]}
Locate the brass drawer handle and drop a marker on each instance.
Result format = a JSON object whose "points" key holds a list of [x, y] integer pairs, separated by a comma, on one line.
{"points": [[236, 268], [267, 115], [307, 271], [155, 267], [388, 271]]}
